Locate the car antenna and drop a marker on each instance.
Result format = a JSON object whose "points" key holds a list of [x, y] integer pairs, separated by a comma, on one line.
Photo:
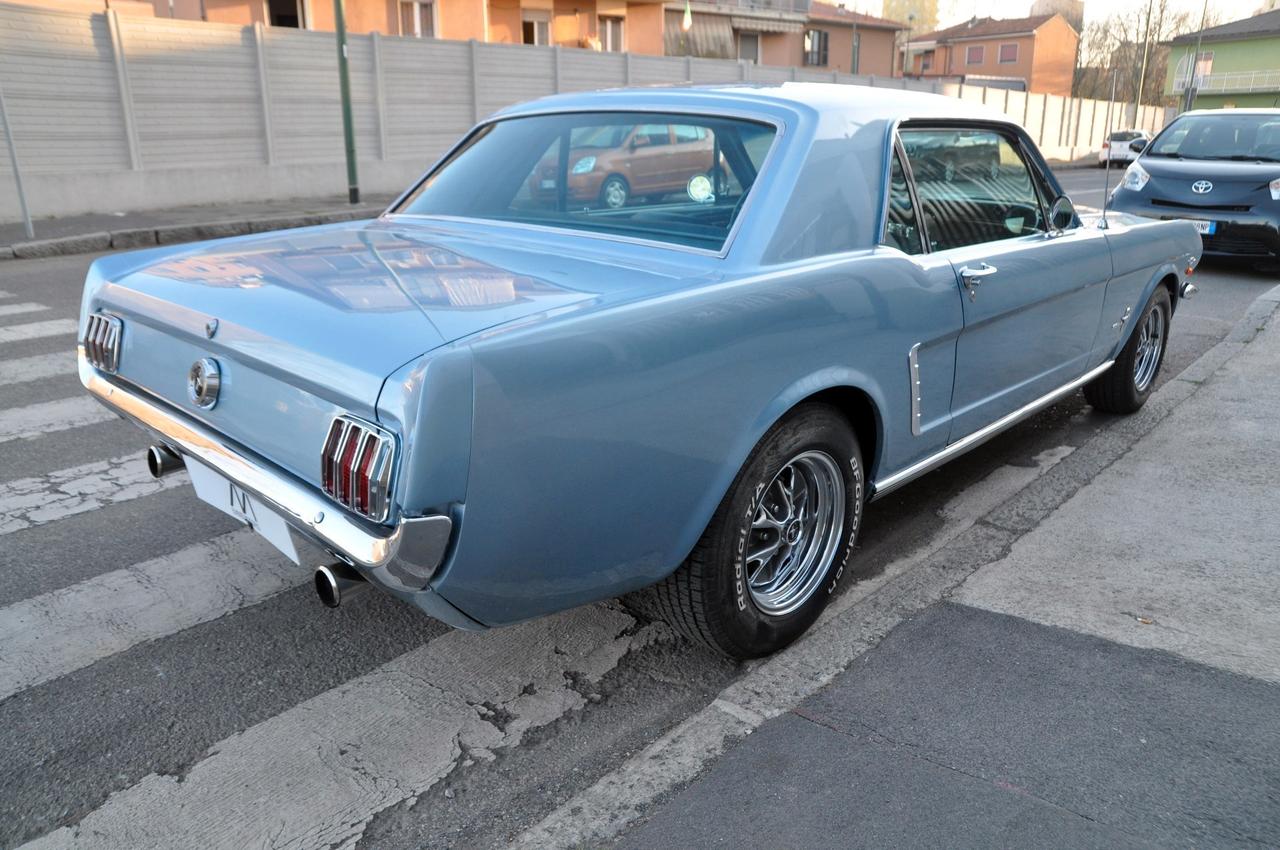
{"points": [[1106, 168]]}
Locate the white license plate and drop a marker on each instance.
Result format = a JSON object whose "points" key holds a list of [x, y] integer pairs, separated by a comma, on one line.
{"points": [[548, 184], [228, 497], [1205, 227]]}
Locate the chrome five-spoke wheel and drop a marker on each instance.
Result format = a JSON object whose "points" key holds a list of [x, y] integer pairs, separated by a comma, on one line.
{"points": [[795, 533], [1150, 347]]}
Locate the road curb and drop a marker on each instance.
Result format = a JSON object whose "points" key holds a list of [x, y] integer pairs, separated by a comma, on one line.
{"points": [[600, 813], [145, 237]]}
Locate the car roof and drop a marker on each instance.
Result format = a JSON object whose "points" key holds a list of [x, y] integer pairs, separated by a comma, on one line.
{"points": [[852, 102]]}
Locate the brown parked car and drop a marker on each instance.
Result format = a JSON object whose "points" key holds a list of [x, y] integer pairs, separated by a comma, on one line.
{"points": [[615, 165]]}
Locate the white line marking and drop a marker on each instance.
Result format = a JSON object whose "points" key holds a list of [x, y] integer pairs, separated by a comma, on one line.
{"points": [[57, 632], [853, 623], [35, 330], [16, 309], [37, 368], [4, 294], [36, 420], [29, 502], [314, 775]]}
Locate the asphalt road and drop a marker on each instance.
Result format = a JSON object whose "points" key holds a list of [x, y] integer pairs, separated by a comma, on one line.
{"points": [[165, 673]]}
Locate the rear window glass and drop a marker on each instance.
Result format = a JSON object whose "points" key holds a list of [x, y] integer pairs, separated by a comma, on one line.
{"points": [[671, 178], [1125, 135]]}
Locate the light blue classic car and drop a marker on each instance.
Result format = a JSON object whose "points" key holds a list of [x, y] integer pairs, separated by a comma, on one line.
{"points": [[510, 395]]}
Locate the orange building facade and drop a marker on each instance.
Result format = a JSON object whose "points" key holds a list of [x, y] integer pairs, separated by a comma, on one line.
{"points": [[1036, 54], [797, 33]]}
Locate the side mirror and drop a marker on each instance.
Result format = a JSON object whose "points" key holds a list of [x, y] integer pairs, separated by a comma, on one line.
{"points": [[1062, 215], [1138, 145]]}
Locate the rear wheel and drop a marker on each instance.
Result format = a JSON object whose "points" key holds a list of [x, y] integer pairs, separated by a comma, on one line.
{"points": [[778, 544], [1126, 386]]}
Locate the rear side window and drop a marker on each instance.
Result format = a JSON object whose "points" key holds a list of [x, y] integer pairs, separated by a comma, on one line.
{"points": [[901, 227], [973, 187], [679, 179]]}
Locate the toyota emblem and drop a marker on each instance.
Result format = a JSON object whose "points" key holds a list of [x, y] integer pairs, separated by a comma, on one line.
{"points": [[1202, 187], [203, 383]]}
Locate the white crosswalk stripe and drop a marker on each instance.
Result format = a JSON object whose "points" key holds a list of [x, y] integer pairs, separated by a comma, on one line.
{"points": [[36, 420], [336, 760], [36, 330], [29, 502], [37, 368], [18, 309], [61, 631]]}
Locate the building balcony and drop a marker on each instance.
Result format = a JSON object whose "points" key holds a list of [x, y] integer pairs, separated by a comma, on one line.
{"points": [[1230, 82]]}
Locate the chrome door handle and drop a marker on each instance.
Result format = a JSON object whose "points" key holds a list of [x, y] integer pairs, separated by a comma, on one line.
{"points": [[971, 277]]}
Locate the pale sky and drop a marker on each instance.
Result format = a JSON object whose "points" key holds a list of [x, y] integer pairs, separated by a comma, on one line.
{"points": [[954, 11]]}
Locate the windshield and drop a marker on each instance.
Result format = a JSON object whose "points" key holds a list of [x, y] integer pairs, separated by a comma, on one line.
{"points": [[671, 178], [1243, 137]]}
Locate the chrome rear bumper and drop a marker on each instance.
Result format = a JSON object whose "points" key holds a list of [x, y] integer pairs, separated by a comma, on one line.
{"points": [[400, 558]]}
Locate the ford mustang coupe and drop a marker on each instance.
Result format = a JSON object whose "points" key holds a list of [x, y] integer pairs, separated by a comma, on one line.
{"points": [[502, 398]]}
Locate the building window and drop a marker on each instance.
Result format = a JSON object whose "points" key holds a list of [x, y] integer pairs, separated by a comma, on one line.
{"points": [[975, 55], [286, 13], [418, 18], [611, 34], [926, 61], [537, 27], [815, 47], [1182, 74], [749, 47], [1008, 54]]}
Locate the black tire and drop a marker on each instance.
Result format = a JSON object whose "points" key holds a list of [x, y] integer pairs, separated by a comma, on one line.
{"points": [[710, 598], [615, 186], [1118, 389]]}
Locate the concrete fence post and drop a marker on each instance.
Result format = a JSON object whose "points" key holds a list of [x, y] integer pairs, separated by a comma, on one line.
{"points": [[688, 69], [126, 94], [626, 68], [793, 73], [264, 91], [17, 169], [380, 93], [871, 81], [475, 82], [743, 74], [555, 69], [1062, 121], [1044, 118], [835, 76]]}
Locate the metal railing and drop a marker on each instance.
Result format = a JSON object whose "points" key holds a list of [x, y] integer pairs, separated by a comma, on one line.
{"points": [[801, 6], [1230, 81]]}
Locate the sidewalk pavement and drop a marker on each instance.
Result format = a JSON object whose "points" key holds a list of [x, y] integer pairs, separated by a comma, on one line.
{"points": [[1112, 680], [118, 230]]}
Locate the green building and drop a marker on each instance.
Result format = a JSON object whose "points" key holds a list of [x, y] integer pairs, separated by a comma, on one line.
{"points": [[1239, 64]]}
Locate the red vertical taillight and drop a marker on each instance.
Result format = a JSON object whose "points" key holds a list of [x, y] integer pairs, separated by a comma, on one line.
{"points": [[355, 466]]}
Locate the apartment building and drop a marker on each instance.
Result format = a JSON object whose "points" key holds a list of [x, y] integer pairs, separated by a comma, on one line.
{"points": [[799, 33], [1034, 54]]}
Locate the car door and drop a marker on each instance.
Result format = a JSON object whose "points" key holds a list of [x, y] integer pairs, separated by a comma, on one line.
{"points": [[1032, 298], [651, 150]]}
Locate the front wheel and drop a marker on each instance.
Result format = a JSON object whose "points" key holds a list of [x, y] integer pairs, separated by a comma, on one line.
{"points": [[1126, 386], [615, 192], [777, 546]]}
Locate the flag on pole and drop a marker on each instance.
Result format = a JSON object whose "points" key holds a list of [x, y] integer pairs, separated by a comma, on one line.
{"points": [[686, 23]]}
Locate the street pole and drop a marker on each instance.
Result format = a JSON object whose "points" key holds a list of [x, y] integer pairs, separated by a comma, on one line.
{"points": [[1189, 96], [17, 173], [344, 84]]}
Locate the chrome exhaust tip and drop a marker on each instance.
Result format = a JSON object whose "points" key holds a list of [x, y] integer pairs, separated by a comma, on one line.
{"points": [[1188, 289], [335, 582], [161, 460]]}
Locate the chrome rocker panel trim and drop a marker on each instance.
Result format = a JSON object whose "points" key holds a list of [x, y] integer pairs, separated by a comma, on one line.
{"points": [[977, 438], [401, 559]]}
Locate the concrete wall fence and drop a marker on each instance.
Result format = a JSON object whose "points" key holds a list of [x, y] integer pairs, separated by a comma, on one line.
{"points": [[112, 112]]}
